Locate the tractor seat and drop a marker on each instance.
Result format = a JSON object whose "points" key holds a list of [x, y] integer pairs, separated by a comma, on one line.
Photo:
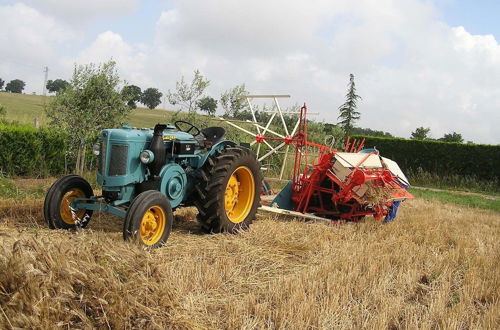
{"points": [[213, 134]]}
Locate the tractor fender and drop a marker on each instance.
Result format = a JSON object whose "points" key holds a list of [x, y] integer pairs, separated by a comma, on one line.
{"points": [[218, 146]]}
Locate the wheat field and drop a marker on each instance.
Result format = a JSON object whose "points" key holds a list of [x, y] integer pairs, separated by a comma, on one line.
{"points": [[437, 266]]}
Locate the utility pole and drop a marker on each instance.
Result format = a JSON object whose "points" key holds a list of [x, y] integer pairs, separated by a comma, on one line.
{"points": [[46, 70]]}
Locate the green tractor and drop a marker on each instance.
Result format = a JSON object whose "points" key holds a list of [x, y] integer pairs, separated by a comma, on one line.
{"points": [[145, 174]]}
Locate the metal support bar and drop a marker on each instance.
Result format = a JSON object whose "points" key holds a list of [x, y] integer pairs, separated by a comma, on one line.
{"points": [[281, 115], [97, 205], [269, 130], [271, 151], [236, 126]]}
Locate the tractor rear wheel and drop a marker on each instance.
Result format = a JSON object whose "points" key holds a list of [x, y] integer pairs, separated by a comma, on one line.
{"points": [[149, 219], [57, 206], [229, 192]]}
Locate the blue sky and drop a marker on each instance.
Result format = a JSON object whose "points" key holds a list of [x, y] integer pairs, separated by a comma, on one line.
{"points": [[417, 62], [137, 26], [477, 16]]}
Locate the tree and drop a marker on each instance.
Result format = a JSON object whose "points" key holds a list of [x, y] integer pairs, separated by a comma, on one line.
{"points": [[421, 133], [132, 94], [348, 114], [90, 103], [187, 95], [232, 103], [15, 86], [2, 82], [151, 97], [56, 86], [452, 137], [369, 132], [207, 104]]}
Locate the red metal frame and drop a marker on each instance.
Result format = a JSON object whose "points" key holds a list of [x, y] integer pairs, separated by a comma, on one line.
{"points": [[334, 198]]}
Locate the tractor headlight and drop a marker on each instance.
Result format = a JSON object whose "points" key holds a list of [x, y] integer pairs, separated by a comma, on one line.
{"points": [[96, 149], [147, 156]]}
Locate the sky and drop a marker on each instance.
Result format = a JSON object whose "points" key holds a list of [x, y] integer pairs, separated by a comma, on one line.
{"points": [[432, 63]]}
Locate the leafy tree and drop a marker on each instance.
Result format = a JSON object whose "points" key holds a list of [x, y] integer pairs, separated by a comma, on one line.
{"points": [[333, 136], [186, 95], [132, 94], [421, 133], [207, 104], [151, 97], [232, 104], [369, 132], [15, 86], [56, 86], [452, 137], [348, 114], [2, 82], [90, 103]]}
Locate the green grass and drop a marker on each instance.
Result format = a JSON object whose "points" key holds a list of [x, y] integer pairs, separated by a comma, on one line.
{"points": [[10, 189], [469, 183], [24, 108], [474, 201]]}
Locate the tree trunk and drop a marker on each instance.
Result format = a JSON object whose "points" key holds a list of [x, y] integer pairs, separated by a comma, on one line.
{"points": [[77, 165], [82, 159]]}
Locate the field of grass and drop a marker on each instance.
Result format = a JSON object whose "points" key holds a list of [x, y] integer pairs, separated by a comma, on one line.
{"points": [[25, 108], [459, 198], [436, 266]]}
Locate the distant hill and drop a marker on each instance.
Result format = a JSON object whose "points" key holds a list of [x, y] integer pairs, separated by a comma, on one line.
{"points": [[24, 108]]}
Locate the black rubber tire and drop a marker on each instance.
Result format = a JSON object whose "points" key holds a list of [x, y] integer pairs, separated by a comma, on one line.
{"points": [[52, 203], [215, 175], [139, 206]]}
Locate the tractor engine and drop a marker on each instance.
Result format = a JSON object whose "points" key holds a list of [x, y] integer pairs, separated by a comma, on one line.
{"points": [[131, 161]]}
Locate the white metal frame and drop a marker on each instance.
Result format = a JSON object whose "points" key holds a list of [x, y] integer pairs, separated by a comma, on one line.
{"points": [[263, 130]]}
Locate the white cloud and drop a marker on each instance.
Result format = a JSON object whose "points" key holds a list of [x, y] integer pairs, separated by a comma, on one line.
{"points": [[109, 45], [29, 41], [411, 68], [78, 11]]}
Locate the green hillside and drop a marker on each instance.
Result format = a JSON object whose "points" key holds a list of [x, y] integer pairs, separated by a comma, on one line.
{"points": [[24, 108]]}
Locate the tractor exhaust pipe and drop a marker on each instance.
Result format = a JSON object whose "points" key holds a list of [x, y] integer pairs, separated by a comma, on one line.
{"points": [[158, 148]]}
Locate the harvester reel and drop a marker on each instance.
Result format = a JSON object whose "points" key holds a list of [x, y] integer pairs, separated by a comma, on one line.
{"points": [[263, 134]]}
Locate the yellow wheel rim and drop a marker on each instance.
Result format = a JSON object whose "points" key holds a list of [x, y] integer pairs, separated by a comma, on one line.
{"points": [[240, 194], [153, 225], [67, 215]]}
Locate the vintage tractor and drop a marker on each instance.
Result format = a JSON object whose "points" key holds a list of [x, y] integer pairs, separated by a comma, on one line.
{"points": [[146, 173]]}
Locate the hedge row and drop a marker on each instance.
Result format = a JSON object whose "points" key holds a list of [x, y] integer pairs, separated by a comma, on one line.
{"points": [[25, 150], [481, 161]]}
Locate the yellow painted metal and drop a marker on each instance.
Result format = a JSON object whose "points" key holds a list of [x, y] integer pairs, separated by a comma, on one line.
{"points": [[153, 225], [67, 215], [240, 194]]}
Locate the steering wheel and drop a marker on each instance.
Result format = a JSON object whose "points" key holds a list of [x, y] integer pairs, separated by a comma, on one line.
{"points": [[178, 124]]}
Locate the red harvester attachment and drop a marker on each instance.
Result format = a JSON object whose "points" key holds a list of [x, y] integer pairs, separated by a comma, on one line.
{"points": [[340, 185]]}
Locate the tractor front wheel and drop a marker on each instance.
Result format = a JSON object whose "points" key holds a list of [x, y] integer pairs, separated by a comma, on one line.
{"points": [[229, 192], [57, 206], [149, 219]]}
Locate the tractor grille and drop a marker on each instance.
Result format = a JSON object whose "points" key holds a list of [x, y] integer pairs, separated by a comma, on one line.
{"points": [[102, 159], [118, 161]]}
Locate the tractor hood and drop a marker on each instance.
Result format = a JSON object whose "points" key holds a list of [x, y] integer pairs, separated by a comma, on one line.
{"points": [[127, 133]]}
